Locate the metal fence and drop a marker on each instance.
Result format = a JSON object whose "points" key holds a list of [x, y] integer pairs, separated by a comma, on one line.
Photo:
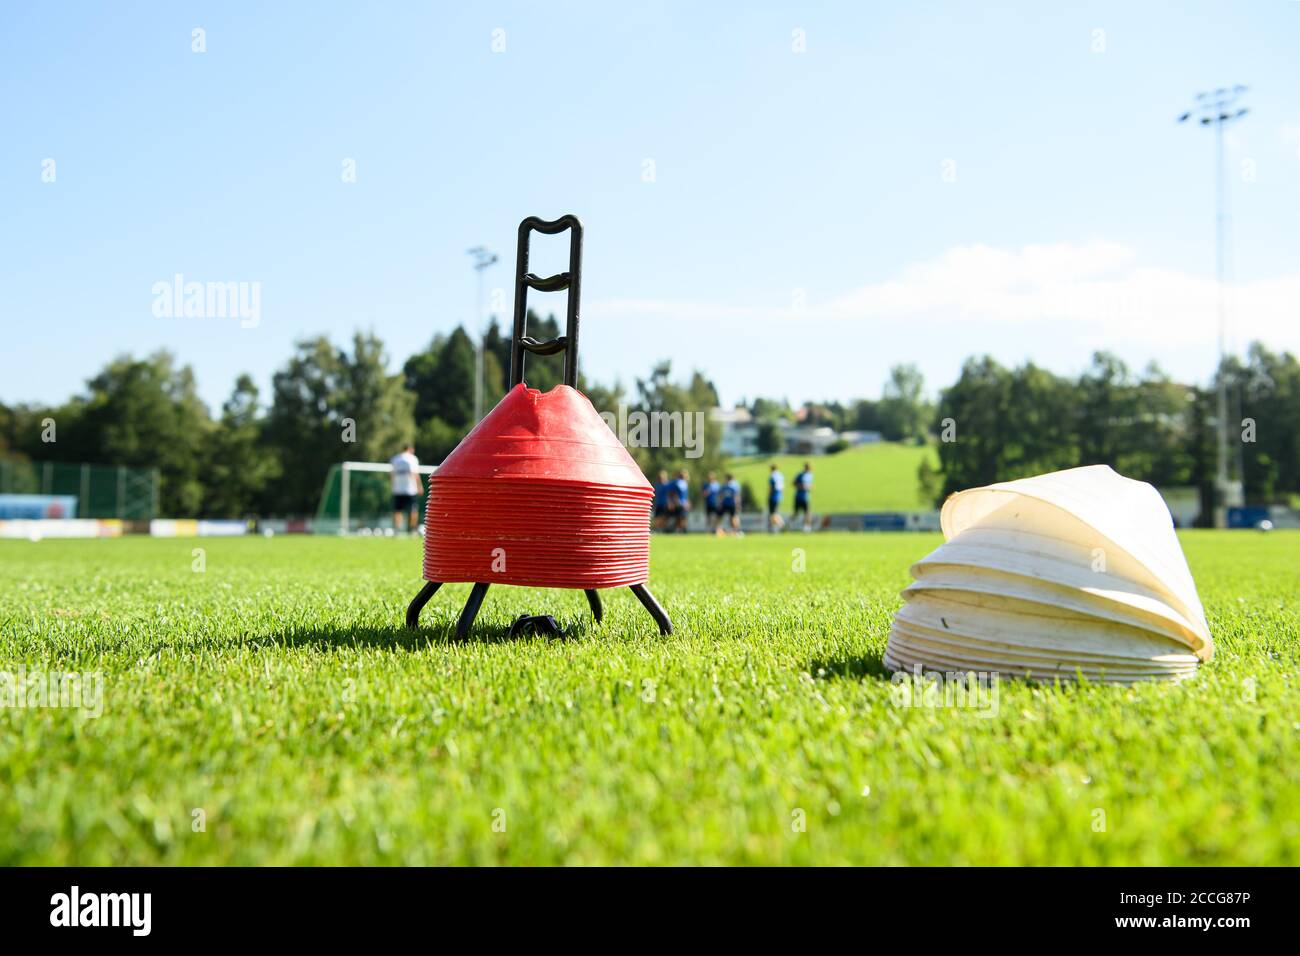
{"points": [[102, 491]]}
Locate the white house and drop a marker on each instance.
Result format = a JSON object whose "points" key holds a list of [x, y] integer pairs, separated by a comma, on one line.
{"points": [[860, 437], [808, 440], [739, 431]]}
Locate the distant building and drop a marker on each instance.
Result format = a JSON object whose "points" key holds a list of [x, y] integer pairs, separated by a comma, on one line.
{"points": [[739, 431], [806, 440], [740, 435]]}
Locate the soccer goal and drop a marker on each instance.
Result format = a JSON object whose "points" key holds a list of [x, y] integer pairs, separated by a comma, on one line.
{"points": [[358, 496]]}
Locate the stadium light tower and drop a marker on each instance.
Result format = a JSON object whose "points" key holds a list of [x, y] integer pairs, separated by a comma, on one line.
{"points": [[1217, 109], [483, 257]]}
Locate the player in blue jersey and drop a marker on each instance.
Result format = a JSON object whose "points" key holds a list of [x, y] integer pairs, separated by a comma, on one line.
{"points": [[711, 491], [803, 496], [775, 488], [682, 487], [662, 487], [729, 504]]}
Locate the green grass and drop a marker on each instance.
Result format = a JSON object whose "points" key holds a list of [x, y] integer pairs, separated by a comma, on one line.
{"points": [[877, 477], [278, 693]]}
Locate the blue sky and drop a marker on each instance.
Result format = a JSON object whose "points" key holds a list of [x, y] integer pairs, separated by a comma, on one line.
{"points": [[924, 181]]}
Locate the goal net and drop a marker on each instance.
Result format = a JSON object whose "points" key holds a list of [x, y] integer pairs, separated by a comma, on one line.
{"points": [[358, 497]]}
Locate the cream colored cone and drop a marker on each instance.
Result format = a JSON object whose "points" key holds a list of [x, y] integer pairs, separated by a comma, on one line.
{"points": [[1073, 573]]}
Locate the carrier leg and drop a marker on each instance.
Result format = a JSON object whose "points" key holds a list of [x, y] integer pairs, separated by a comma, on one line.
{"points": [[467, 616], [648, 600], [593, 598], [419, 601]]}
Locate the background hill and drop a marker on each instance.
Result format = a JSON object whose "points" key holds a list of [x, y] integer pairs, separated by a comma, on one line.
{"points": [[877, 477]]}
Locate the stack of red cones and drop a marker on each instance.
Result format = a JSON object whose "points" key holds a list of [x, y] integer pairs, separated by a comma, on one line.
{"points": [[540, 493]]}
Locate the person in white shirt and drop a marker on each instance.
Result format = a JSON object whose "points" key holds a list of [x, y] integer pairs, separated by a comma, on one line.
{"points": [[406, 489]]}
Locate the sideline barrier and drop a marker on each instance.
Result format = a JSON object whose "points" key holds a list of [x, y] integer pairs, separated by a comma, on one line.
{"points": [[173, 528], [191, 528], [751, 522], [35, 530], [17, 507], [756, 521], [274, 526], [222, 529]]}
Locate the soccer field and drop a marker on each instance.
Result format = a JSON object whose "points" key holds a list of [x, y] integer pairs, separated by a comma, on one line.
{"points": [[271, 708], [876, 477]]}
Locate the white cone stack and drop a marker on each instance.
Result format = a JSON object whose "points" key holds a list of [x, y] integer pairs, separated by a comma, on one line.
{"points": [[1073, 572]]}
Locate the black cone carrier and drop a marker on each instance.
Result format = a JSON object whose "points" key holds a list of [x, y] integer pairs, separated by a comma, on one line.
{"points": [[540, 493]]}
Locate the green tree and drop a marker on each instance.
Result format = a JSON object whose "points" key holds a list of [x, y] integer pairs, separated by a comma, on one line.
{"points": [[496, 343], [688, 407], [823, 414], [605, 398], [542, 372], [329, 406], [1267, 424], [864, 415], [997, 424], [769, 440], [770, 408], [377, 400], [1039, 435], [435, 440], [21, 430], [442, 379], [903, 411], [239, 465], [1202, 442], [420, 377], [930, 480], [971, 423], [1156, 445], [1106, 408], [144, 413], [8, 423]]}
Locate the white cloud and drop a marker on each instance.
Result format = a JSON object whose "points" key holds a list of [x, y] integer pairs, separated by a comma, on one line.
{"points": [[1095, 293], [1291, 136]]}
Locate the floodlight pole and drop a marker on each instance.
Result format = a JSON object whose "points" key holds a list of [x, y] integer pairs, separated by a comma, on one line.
{"points": [[1216, 109], [483, 258]]}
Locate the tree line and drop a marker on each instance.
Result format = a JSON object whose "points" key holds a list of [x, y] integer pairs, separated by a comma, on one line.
{"points": [[997, 423], [270, 455], [901, 414]]}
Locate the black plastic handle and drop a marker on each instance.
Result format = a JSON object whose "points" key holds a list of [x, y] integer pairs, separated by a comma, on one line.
{"points": [[520, 342]]}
